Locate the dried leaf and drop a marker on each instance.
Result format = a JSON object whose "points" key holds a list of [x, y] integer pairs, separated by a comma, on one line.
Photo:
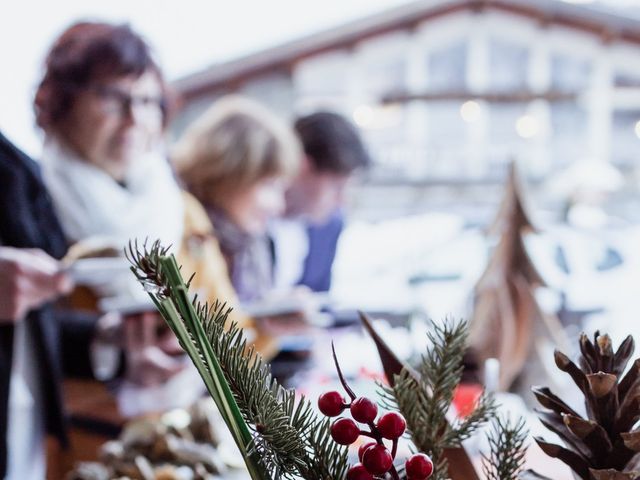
{"points": [[575, 461], [603, 398], [631, 440], [566, 365], [391, 364], [553, 421], [549, 400], [628, 413], [593, 435], [588, 351], [144, 467], [602, 384], [629, 380], [584, 364], [622, 355], [611, 474], [605, 349]]}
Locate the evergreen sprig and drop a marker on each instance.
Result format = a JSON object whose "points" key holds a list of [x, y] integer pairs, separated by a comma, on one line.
{"points": [[424, 399], [507, 450], [279, 436]]}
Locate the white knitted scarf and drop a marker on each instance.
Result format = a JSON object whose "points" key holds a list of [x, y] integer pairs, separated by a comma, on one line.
{"points": [[89, 202]]}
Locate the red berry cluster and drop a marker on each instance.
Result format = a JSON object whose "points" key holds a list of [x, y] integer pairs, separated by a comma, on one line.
{"points": [[375, 458]]}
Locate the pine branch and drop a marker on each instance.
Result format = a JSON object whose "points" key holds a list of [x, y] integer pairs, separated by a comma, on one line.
{"points": [[425, 426], [278, 436], [266, 406], [424, 402], [160, 277], [442, 365], [329, 459], [484, 410], [507, 443]]}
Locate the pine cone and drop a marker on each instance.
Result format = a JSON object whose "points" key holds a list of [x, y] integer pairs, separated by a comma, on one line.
{"points": [[604, 445]]}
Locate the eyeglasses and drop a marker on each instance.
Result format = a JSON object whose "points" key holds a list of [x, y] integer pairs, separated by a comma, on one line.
{"points": [[115, 101]]}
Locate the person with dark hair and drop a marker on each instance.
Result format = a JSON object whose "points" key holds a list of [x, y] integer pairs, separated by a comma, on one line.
{"points": [[86, 55], [306, 239], [104, 107]]}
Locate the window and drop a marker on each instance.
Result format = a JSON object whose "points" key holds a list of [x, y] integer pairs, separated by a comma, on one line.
{"points": [[447, 139], [568, 133], [569, 74], [448, 67], [508, 65], [625, 139], [384, 77], [322, 74], [504, 141]]}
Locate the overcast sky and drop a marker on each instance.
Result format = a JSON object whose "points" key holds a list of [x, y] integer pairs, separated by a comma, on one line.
{"points": [[187, 35]]}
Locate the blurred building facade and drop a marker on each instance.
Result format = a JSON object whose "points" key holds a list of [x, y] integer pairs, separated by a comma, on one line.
{"points": [[448, 91]]}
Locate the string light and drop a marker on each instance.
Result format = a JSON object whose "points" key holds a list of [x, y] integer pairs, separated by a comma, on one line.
{"points": [[470, 111], [527, 126], [363, 115], [377, 117]]}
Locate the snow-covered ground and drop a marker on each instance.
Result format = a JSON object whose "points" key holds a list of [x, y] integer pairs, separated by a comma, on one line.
{"points": [[430, 263]]}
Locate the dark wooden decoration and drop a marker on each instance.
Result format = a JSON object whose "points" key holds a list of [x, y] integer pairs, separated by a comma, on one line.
{"points": [[513, 211], [506, 315]]}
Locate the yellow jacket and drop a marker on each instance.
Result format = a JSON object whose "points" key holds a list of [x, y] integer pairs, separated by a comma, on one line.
{"points": [[200, 253]]}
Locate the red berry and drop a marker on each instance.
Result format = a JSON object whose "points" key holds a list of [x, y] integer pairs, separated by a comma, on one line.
{"points": [[419, 467], [345, 431], [377, 460], [331, 403], [391, 425], [363, 410], [363, 448], [358, 472]]}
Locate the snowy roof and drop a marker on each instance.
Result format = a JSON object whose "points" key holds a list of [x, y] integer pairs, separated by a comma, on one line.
{"points": [[600, 21]]}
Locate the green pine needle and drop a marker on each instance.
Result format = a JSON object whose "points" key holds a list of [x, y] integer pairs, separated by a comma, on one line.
{"points": [[278, 436], [508, 449]]}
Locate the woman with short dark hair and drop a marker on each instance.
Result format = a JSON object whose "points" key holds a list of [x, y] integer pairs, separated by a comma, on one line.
{"points": [[103, 106], [85, 55]]}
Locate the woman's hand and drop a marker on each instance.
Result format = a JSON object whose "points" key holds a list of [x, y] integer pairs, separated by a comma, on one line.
{"points": [[150, 350], [28, 278]]}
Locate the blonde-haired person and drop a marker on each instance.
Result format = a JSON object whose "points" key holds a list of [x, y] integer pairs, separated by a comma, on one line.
{"points": [[237, 160]]}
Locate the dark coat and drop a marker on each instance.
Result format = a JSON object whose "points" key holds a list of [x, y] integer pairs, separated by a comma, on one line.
{"points": [[27, 220]]}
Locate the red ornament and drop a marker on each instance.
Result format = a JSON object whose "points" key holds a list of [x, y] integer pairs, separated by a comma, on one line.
{"points": [[331, 403], [391, 425], [345, 431], [418, 467], [363, 448], [466, 397], [363, 410], [377, 460], [358, 472]]}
